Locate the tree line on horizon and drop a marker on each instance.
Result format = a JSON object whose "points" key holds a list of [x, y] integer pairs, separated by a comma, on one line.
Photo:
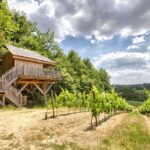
{"points": [[137, 92]]}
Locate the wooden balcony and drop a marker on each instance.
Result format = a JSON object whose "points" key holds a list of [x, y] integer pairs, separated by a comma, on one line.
{"points": [[39, 74], [33, 74]]}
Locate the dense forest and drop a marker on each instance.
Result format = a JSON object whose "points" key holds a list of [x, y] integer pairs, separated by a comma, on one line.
{"points": [[137, 92], [79, 75]]}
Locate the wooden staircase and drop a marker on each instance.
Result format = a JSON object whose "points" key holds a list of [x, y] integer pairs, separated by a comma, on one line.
{"points": [[7, 89]]}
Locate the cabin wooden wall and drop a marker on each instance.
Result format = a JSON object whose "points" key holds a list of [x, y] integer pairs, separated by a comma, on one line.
{"points": [[7, 62], [28, 64]]}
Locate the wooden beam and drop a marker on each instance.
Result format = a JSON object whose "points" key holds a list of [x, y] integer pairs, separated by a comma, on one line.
{"points": [[45, 85], [45, 99], [1, 103], [12, 81], [33, 81], [38, 87], [46, 91], [22, 88], [33, 91], [3, 99]]}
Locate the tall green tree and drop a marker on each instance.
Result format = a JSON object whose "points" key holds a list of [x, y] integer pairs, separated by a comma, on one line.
{"points": [[7, 25]]}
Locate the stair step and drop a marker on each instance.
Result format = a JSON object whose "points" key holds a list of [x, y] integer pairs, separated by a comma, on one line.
{"points": [[11, 93], [2, 92]]}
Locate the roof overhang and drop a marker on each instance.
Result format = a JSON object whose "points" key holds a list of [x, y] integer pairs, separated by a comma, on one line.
{"points": [[27, 55]]}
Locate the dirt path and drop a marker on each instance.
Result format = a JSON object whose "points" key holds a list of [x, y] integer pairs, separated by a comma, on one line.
{"points": [[26, 129], [147, 121], [131, 134]]}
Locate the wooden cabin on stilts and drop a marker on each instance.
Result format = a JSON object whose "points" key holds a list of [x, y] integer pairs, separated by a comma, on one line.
{"points": [[24, 67]]}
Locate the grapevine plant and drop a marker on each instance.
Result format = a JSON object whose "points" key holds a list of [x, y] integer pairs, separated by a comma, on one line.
{"points": [[96, 102], [145, 107]]}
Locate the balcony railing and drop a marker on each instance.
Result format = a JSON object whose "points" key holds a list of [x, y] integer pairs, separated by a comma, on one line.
{"points": [[42, 73], [31, 72]]}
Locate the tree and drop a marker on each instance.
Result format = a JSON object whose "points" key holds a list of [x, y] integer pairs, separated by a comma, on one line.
{"points": [[7, 25]]}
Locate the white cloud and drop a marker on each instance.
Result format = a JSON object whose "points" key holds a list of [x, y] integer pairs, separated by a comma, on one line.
{"points": [[98, 37], [83, 18], [125, 67], [121, 59], [125, 32], [130, 47], [138, 40], [130, 76], [93, 41], [27, 6], [148, 48]]}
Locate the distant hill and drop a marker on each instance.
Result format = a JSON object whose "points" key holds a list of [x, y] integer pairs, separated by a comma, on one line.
{"points": [[136, 86], [135, 92]]}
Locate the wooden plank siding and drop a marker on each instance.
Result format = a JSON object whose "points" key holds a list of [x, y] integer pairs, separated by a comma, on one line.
{"points": [[28, 64], [7, 62]]}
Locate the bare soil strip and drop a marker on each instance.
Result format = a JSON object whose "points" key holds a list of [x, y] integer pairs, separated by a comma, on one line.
{"points": [[147, 121], [27, 129]]}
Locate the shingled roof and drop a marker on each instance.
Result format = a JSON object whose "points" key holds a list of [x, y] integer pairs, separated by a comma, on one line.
{"points": [[25, 53]]}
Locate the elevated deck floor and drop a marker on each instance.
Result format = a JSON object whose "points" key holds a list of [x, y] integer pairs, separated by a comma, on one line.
{"points": [[38, 79]]}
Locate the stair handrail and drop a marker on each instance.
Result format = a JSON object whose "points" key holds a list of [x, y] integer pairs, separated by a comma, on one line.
{"points": [[13, 99], [17, 99], [6, 78], [10, 74]]}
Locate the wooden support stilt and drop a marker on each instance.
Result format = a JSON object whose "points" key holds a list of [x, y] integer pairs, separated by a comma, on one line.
{"points": [[48, 88], [45, 99], [42, 92], [3, 99], [22, 88], [39, 88]]}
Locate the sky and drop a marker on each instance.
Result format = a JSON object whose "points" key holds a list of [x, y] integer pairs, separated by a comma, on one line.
{"points": [[114, 34]]}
